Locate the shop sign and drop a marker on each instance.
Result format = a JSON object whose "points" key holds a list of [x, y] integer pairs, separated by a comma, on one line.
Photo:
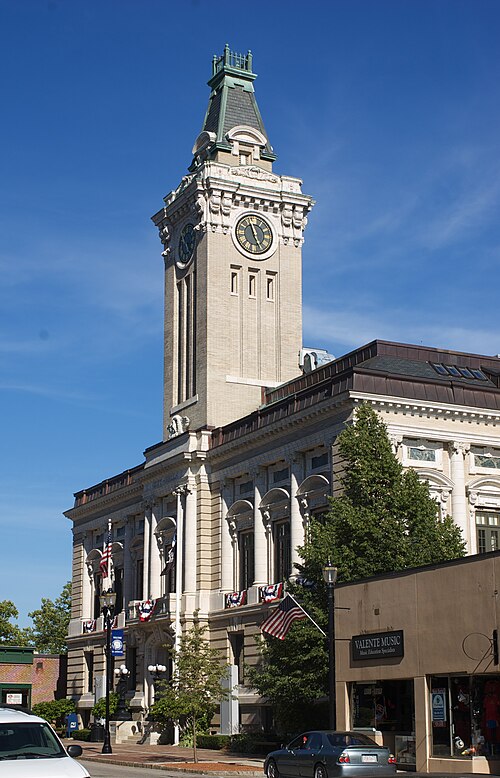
{"points": [[14, 698], [378, 645], [438, 707]]}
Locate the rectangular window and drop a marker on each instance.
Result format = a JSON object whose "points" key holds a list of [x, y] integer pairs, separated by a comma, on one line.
{"points": [[118, 571], [234, 282], [319, 461], [270, 288], [237, 643], [281, 475], [89, 671], [488, 531], [246, 549], [246, 487], [491, 461], [252, 285], [282, 552], [139, 573], [422, 454]]}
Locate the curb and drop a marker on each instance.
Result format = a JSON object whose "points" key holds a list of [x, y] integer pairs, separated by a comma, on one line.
{"points": [[171, 768]]}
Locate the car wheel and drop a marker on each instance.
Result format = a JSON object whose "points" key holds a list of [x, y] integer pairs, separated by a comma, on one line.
{"points": [[272, 769], [320, 771]]}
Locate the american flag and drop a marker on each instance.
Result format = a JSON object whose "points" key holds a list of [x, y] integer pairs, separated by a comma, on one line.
{"points": [[106, 554], [282, 618]]}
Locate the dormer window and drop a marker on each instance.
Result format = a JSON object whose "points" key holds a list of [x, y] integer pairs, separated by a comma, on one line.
{"points": [[246, 143]]}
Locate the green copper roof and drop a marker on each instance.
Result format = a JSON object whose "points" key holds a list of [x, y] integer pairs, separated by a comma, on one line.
{"points": [[232, 99]]}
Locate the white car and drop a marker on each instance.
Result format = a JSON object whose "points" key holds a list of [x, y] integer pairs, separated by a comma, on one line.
{"points": [[30, 748]]}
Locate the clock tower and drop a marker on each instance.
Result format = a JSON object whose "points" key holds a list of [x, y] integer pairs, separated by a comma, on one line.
{"points": [[232, 234]]}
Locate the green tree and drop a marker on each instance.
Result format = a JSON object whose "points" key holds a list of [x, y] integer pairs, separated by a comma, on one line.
{"points": [[51, 622], [384, 520], [11, 634], [196, 685]]}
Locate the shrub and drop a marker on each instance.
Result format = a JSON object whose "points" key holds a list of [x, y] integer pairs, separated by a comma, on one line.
{"points": [[99, 709], [249, 743], [216, 742], [81, 734]]}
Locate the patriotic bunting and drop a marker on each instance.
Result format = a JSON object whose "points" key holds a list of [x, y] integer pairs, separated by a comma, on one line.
{"points": [[235, 599], [88, 626], [146, 609], [271, 592]]}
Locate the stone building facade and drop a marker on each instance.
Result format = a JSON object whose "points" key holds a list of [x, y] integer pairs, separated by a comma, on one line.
{"points": [[211, 519]]}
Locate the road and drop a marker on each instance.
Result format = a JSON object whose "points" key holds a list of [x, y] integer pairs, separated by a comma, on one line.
{"points": [[102, 770]]}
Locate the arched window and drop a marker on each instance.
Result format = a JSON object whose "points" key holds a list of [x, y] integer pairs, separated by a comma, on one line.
{"points": [[240, 520], [275, 510], [166, 538]]}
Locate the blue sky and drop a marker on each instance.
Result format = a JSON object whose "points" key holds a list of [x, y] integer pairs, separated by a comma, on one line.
{"points": [[388, 109]]}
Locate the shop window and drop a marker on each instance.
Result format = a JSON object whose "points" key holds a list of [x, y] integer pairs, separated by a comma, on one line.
{"points": [[384, 705], [246, 553], [465, 715], [282, 551]]}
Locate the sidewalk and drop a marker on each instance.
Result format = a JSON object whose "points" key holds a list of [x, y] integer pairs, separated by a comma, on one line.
{"points": [[173, 758]]}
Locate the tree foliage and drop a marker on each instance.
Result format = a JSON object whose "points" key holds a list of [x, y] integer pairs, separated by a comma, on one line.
{"points": [[196, 684], [51, 622], [11, 634], [54, 711], [383, 521]]}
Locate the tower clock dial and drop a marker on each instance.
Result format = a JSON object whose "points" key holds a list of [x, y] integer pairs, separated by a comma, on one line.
{"points": [[187, 242], [254, 234]]}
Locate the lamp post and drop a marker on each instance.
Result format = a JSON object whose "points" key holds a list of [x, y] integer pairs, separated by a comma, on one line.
{"points": [[156, 671], [107, 600], [330, 578], [122, 674]]}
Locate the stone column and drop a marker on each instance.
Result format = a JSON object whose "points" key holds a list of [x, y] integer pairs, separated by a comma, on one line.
{"points": [[191, 537], [128, 570], [296, 523], [154, 552], [147, 539], [260, 536], [457, 451], [472, 524], [86, 581], [226, 544]]}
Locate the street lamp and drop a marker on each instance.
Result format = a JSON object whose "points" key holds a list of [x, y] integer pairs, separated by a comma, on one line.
{"points": [[107, 601], [330, 577], [156, 671], [122, 674]]}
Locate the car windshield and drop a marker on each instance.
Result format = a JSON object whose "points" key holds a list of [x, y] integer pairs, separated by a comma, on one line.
{"points": [[32, 740], [348, 739]]}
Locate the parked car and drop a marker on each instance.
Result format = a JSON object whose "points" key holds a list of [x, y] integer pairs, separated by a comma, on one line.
{"points": [[322, 754], [29, 748]]}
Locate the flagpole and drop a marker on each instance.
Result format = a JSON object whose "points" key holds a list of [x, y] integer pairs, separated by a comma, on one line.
{"points": [[309, 617]]}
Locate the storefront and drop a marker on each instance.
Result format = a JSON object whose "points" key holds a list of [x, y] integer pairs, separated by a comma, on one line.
{"points": [[417, 664]]}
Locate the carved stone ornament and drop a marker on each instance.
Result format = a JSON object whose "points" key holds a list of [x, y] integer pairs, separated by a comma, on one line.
{"points": [[254, 172], [178, 425]]}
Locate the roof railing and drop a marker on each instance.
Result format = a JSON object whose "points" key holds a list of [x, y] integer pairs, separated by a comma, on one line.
{"points": [[233, 60]]}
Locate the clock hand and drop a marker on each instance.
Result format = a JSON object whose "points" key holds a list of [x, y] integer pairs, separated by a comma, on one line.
{"points": [[254, 232]]}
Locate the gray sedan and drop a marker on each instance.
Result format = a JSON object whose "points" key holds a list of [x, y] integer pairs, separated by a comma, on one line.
{"points": [[322, 754]]}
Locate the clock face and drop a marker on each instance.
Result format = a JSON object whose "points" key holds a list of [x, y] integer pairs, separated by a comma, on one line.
{"points": [[254, 234], [187, 242]]}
